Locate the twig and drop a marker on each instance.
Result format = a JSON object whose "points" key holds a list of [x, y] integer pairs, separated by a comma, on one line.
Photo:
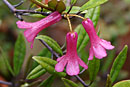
{"points": [[18, 13], [6, 83], [85, 85], [84, 69], [78, 13], [11, 7], [19, 4], [31, 11], [70, 9], [90, 83], [49, 48]]}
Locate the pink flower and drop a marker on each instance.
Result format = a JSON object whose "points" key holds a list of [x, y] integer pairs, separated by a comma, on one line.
{"points": [[98, 45], [32, 29], [71, 58]]}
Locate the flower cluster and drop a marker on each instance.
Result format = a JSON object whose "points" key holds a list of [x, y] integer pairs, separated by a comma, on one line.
{"points": [[71, 59]]}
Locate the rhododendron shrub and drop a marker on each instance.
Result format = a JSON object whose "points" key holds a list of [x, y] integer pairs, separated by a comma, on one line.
{"points": [[61, 61]]}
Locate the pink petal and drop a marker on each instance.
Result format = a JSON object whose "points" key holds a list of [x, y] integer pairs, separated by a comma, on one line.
{"points": [[72, 67], [99, 51], [106, 44], [90, 54], [32, 44], [90, 21], [60, 58], [30, 35], [82, 63], [23, 25], [59, 67]]}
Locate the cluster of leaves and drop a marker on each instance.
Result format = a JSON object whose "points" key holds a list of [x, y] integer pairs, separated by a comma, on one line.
{"points": [[46, 64]]}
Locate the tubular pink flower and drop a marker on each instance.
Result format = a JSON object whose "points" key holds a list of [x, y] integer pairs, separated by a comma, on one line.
{"points": [[71, 58], [98, 45], [32, 29]]}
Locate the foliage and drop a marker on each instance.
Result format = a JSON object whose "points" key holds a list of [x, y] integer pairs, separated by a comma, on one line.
{"points": [[39, 70]]}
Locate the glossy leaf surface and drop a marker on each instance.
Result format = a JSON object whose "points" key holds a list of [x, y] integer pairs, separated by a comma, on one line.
{"points": [[19, 53], [92, 4], [48, 64], [118, 63]]}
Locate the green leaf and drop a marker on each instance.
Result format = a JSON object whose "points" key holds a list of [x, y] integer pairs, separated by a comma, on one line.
{"points": [[6, 61], [69, 83], [109, 83], [48, 82], [92, 4], [60, 7], [57, 5], [52, 4], [48, 64], [37, 15], [36, 72], [19, 53], [83, 38], [125, 83], [93, 14], [32, 5], [74, 9], [118, 63], [108, 61], [93, 68], [45, 52], [73, 1], [84, 56], [52, 43]]}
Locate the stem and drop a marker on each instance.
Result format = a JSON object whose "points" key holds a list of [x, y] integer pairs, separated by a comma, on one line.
{"points": [[18, 13], [69, 22], [12, 8], [49, 48], [76, 16], [19, 4], [41, 5], [84, 84], [6, 83], [70, 9], [31, 11], [84, 69], [78, 13]]}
